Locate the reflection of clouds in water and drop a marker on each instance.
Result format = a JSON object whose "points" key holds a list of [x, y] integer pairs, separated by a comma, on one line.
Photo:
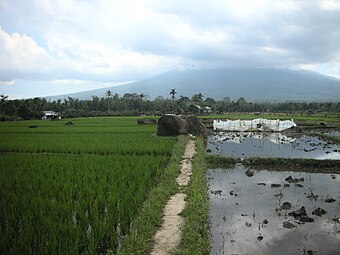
{"points": [[276, 138], [250, 144], [228, 223]]}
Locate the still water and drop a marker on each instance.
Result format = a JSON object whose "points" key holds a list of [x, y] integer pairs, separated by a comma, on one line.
{"points": [[248, 214], [249, 144]]}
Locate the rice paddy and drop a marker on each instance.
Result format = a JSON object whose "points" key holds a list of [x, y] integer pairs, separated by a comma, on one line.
{"points": [[75, 189]]}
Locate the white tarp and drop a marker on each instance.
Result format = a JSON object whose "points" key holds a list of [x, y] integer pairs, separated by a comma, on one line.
{"points": [[256, 124]]}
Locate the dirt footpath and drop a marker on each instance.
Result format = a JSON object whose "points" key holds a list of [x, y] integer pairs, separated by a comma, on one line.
{"points": [[169, 234]]}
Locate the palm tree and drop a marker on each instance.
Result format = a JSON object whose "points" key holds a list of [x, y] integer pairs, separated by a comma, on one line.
{"points": [[108, 94], [173, 93]]}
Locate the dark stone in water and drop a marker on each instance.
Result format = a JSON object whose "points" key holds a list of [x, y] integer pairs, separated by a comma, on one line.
{"points": [[249, 173], [208, 150], [288, 225], [274, 185], [306, 219], [286, 206], [312, 196], [216, 192], [299, 185], [290, 179], [260, 238], [298, 213], [330, 200], [286, 185], [261, 183], [319, 212], [265, 221], [248, 224]]}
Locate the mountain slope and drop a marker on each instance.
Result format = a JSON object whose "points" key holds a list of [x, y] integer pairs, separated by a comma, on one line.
{"points": [[251, 83]]}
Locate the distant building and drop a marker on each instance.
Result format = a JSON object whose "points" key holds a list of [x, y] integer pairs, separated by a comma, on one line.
{"points": [[203, 109], [51, 115]]}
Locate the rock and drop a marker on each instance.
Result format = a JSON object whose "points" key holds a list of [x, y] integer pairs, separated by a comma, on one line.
{"points": [[208, 150], [274, 185], [244, 214], [146, 121], [286, 185], [312, 196], [319, 212], [216, 192], [305, 219], [172, 125], [298, 213], [330, 200], [286, 206], [265, 221], [299, 185], [288, 225], [248, 224], [261, 183], [290, 179], [249, 173], [260, 238]]}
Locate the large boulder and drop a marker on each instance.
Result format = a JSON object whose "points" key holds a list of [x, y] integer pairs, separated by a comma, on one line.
{"points": [[171, 125]]}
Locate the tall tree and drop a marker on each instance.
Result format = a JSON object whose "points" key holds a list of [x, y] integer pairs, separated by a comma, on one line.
{"points": [[173, 93], [108, 94]]}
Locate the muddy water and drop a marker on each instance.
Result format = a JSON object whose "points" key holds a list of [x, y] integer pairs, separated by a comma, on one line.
{"points": [[247, 144], [245, 220], [334, 133]]}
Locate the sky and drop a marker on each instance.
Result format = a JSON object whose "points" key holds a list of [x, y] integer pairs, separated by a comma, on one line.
{"points": [[51, 47]]}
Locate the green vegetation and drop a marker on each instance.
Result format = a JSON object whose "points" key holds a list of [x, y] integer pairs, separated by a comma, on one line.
{"points": [[150, 217], [295, 164], [195, 238], [76, 189], [133, 104], [215, 161]]}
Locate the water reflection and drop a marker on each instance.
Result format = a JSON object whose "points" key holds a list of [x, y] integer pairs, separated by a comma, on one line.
{"points": [[252, 144], [246, 213]]}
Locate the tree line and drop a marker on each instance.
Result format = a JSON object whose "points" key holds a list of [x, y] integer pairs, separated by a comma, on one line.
{"points": [[132, 104]]}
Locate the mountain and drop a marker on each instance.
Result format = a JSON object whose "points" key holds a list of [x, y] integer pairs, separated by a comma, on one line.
{"points": [[254, 84]]}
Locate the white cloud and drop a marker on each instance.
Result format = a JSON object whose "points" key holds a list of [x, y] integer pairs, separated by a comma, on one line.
{"points": [[12, 82], [21, 53], [131, 39]]}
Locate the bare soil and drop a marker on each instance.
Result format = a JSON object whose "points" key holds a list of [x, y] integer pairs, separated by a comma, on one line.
{"points": [[169, 234]]}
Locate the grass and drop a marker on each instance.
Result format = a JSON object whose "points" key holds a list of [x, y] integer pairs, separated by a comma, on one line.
{"points": [[295, 164], [329, 137], [195, 238], [145, 225], [77, 189], [215, 161]]}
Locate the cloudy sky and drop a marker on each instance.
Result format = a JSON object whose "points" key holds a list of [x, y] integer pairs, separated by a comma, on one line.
{"points": [[50, 47]]}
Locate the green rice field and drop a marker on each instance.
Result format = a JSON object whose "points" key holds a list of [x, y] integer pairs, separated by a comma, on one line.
{"points": [[75, 189]]}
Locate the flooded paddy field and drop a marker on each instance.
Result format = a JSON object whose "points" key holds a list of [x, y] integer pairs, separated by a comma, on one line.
{"points": [[254, 144], [270, 212], [335, 133]]}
